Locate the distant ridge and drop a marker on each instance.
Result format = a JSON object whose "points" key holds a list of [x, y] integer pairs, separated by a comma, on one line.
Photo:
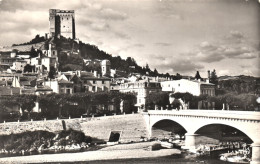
{"points": [[23, 47]]}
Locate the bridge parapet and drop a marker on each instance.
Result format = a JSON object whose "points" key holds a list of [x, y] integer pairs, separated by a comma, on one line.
{"points": [[239, 115]]}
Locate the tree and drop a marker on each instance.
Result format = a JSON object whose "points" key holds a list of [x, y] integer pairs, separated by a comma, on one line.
{"points": [[28, 68], [155, 72], [197, 76], [52, 72], [33, 53], [157, 98], [186, 97], [213, 77]]}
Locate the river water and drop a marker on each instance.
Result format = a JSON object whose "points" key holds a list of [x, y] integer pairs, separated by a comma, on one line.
{"points": [[183, 158]]}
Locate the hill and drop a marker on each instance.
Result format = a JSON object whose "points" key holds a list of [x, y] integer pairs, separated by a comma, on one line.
{"points": [[79, 51], [239, 84]]}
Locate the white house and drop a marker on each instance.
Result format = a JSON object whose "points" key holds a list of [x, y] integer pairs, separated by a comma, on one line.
{"points": [[19, 65], [195, 87], [142, 89], [48, 62]]}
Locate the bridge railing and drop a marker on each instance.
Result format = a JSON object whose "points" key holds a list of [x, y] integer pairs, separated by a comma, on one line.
{"points": [[248, 115]]}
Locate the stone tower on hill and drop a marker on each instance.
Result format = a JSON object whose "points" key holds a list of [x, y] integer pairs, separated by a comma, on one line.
{"points": [[62, 22]]}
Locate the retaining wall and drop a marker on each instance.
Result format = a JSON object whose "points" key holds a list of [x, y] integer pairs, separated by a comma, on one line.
{"points": [[131, 126]]}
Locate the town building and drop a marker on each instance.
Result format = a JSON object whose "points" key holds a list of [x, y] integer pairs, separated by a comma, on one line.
{"points": [[50, 51], [194, 87], [19, 65], [49, 62], [93, 82], [142, 89], [105, 67], [60, 86]]}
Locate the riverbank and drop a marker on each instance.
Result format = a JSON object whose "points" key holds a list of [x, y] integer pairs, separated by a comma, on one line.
{"points": [[122, 151]]}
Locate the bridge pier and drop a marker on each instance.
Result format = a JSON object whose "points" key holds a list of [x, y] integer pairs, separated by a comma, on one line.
{"points": [[255, 153], [190, 140]]}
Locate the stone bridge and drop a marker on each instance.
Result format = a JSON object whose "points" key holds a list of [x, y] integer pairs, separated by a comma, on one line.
{"points": [[195, 120]]}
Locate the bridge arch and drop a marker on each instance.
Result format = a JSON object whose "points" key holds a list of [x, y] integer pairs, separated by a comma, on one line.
{"points": [[244, 128], [166, 128], [223, 132]]}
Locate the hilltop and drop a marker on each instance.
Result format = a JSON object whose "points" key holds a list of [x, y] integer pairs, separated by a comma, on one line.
{"points": [[239, 84], [72, 54]]}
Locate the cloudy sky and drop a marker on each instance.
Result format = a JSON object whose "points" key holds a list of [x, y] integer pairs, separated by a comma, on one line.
{"points": [[171, 35]]}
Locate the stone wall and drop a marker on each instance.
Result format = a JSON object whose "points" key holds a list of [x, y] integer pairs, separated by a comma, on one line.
{"points": [[131, 126], [49, 125]]}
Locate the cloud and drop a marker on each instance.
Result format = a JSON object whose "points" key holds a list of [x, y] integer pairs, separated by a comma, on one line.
{"points": [[111, 14], [163, 44], [250, 55], [183, 66], [22, 26], [100, 26], [209, 57], [138, 45], [96, 11], [206, 46], [235, 37], [236, 34], [209, 53], [175, 16], [121, 35]]}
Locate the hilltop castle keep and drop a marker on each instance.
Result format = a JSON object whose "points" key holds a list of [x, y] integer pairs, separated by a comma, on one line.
{"points": [[62, 22]]}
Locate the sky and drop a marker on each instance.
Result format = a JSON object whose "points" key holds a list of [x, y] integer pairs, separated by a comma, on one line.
{"points": [[174, 36]]}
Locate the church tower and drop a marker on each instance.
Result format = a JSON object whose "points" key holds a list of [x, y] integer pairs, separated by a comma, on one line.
{"points": [[62, 22], [105, 67]]}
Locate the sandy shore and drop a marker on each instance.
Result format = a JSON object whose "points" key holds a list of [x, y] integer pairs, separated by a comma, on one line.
{"points": [[124, 151]]}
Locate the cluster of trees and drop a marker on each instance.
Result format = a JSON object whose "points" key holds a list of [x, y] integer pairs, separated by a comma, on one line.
{"points": [[231, 101], [36, 39], [92, 52], [25, 102], [243, 84], [65, 105]]}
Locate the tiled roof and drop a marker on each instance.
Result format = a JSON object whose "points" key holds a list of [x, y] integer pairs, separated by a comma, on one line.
{"points": [[16, 91], [94, 78], [3, 83], [22, 83], [90, 76], [7, 91], [4, 91], [62, 81], [45, 88], [28, 91]]}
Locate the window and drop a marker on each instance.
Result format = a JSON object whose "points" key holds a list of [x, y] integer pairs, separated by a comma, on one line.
{"points": [[103, 81], [179, 84], [94, 82], [93, 88], [67, 90]]}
